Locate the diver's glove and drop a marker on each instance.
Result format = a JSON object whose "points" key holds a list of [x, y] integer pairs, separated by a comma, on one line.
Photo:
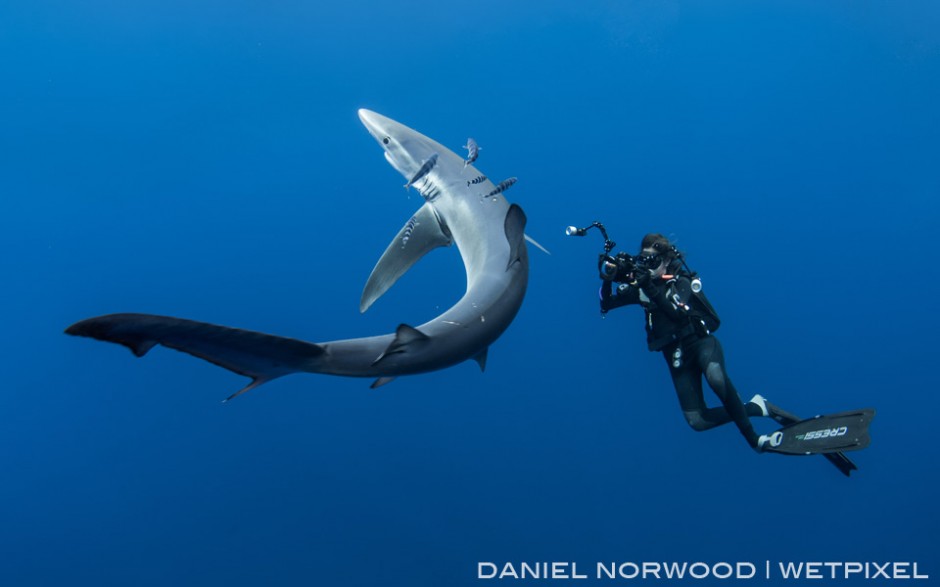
{"points": [[606, 268]]}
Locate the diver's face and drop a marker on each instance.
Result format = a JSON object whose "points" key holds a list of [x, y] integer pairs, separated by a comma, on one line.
{"points": [[657, 270]]}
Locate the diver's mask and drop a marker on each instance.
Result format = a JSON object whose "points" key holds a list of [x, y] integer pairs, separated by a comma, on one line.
{"points": [[650, 262]]}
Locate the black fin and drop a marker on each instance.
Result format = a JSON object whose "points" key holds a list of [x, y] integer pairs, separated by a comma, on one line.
{"points": [[825, 434], [514, 226], [838, 459]]}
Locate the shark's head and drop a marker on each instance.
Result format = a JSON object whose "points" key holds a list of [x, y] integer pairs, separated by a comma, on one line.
{"points": [[405, 149]]}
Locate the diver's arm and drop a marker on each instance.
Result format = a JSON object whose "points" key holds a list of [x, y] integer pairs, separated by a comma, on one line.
{"points": [[623, 297]]}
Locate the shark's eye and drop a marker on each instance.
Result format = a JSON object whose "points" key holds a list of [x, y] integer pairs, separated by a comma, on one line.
{"points": [[386, 140]]}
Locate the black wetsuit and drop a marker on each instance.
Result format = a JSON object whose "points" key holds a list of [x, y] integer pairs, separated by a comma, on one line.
{"points": [[675, 325]]}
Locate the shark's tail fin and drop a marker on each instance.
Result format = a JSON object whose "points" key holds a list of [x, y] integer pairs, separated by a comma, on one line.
{"points": [[262, 357]]}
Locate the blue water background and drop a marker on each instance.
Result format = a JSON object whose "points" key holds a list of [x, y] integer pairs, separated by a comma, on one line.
{"points": [[205, 160]]}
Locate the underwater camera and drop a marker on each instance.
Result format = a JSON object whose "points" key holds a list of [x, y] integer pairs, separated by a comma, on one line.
{"points": [[622, 267], [619, 267]]}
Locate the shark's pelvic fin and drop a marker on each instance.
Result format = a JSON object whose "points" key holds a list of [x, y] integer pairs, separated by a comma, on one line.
{"points": [[263, 357], [381, 381], [255, 383], [480, 358], [424, 232], [405, 338], [515, 233]]}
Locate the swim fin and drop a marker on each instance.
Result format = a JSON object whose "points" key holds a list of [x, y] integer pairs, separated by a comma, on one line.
{"points": [[838, 459], [823, 434]]}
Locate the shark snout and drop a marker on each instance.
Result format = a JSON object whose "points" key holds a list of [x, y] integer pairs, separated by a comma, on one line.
{"points": [[365, 116], [376, 124], [391, 136]]}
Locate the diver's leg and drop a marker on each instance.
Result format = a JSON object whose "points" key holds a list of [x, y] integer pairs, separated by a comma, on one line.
{"points": [[711, 359], [687, 379]]}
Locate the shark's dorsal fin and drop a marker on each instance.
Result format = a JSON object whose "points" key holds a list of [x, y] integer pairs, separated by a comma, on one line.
{"points": [[405, 337], [515, 233], [422, 233], [480, 358]]}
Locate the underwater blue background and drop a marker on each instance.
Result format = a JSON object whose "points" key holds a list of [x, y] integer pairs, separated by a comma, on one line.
{"points": [[204, 160]]}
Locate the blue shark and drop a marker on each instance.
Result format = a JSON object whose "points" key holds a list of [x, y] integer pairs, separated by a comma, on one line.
{"points": [[489, 235]]}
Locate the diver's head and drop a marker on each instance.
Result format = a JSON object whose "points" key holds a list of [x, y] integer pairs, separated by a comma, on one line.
{"points": [[657, 253]]}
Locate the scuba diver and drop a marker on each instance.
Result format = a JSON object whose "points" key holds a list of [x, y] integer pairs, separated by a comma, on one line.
{"points": [[679, 323]]}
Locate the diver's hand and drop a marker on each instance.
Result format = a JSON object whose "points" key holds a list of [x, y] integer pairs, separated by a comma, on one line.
{"points": [[606, 268], [642, 277]]}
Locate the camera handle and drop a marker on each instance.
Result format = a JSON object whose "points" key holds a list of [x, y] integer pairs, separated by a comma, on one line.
{"points": [[575, 231]]}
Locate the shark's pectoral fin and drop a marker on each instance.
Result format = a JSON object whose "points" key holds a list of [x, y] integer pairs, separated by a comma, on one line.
{"points": [[421, 234], [515, 233], [406, 337], [480, 358], [262, 357], [536, 244]]}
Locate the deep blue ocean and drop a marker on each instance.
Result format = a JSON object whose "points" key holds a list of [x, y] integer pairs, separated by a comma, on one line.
{"points": [[205, 160]]}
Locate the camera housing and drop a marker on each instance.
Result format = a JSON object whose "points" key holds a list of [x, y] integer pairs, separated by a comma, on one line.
{"points": [[617, 268]]}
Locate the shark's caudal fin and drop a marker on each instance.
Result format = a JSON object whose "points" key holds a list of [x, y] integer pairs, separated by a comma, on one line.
{"points": [[421, 234], [262, 357]]}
